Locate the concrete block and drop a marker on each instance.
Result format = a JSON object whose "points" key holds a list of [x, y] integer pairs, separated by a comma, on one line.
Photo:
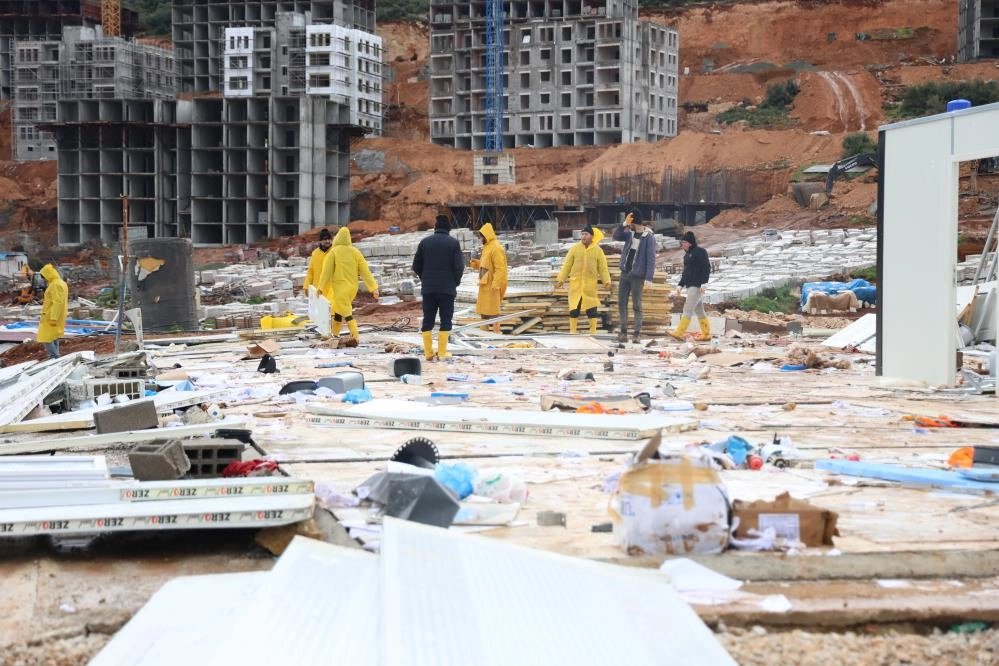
{"points": [[159, 461], [208, 457], [137, 415]]}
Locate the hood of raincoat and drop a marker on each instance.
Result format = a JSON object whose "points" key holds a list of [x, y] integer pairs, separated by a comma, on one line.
{"points": [[49, 272], [487, 232], [342, 237]]}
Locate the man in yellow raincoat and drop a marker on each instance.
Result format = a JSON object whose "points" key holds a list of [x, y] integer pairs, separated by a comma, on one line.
{"points": [[316, 259], [584, 264], [492, 275], [343, 265], [55, 308]]}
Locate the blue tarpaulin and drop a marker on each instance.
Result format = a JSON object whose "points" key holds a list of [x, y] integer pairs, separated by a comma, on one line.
{"points": [[864, 290]]}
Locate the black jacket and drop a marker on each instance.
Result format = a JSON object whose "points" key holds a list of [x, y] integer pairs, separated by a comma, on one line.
{"points": [[696, 267], [439, 263]]}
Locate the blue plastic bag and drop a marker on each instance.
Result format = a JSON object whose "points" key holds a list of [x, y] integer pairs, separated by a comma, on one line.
{"points": [[459, 477], [738, 449], [357, 396]]}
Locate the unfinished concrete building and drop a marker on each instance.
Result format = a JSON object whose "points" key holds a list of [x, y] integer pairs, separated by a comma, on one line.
{"points": [[342, 64], [84, 64], [199, 27], [43, 20], [268, 158], [977, 29], [210, 169], [575, 73]]}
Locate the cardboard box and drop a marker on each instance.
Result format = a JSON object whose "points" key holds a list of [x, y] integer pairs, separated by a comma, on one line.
{"points": [[791, 518], [670, 505]]}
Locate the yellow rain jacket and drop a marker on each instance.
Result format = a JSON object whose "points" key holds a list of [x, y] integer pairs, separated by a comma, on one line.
{"points": [[315, 269], [492, 274], [583, 266], [55, 306], [343, 265]]}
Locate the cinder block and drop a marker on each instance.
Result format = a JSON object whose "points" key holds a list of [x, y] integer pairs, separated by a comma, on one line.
{"points": [[137, 415], [159, 461], [208, 457]]}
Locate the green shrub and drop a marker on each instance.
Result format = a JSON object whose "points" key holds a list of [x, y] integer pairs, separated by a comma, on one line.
{"points": [[930, 98], [780, 95], [858, 142], [771, 300], [869, 273]]}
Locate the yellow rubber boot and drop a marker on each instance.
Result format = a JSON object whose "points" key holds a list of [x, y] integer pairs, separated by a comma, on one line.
{"points": [[705, 325], [593, 325], [352, 325], [335, 327], [572, 325], [442, 344], [428, 345], [681, 329]]}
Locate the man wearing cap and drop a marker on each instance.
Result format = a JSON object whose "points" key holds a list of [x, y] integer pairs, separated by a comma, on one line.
{"points": [[696, 271], [315, 269], [638, 266], [439, 264], [583, 266]]}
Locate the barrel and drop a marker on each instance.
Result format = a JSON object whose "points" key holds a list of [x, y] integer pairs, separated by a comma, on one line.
{"points": [[161, 281]]}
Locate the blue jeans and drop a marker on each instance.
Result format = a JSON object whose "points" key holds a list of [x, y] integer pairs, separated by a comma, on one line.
{"points": [[52, 348]]}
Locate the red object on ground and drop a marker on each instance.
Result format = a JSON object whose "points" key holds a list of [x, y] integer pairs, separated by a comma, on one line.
{"points": [[250, 468], [755, 462]]}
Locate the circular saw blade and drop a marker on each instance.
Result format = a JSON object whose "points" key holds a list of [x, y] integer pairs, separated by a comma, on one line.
{"points": [[418, 451]]}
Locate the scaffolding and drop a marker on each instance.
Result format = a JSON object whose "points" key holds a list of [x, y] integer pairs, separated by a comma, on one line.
{"points": [[83, 65]]}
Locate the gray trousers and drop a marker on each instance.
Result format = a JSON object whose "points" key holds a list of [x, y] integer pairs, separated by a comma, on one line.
{"points": [[694, 305], [632, 286], [52, 348]]}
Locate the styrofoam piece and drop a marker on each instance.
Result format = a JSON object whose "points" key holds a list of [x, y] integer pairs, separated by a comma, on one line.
{"points": [[410, 415], [854, 335], [183, 621], [102, 441], [19, 399], [150, 491], [46, 468], [320, 311], [165, 401], [318, 605], [541, 598], [235, 512]]}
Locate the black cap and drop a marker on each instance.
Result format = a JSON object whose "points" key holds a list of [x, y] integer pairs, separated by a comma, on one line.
{"points": [[689, 237], [588, 229], [442, 223], [636, 216], [325, 235]]}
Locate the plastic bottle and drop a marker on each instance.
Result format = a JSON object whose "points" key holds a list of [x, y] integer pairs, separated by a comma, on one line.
{"points": [[412, 379]]}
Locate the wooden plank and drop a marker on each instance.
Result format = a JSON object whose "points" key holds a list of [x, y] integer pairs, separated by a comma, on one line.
{"points": [[527, 325]]}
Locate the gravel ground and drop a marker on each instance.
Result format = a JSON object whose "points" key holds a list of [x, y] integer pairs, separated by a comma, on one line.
{"points": [[69, 651], [749, 647], [758, 646]]}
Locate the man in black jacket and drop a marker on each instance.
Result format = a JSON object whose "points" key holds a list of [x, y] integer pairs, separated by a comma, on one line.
{"points": [[696, 271], [439, 265]]}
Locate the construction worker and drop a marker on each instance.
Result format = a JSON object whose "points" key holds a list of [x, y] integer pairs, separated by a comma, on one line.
{"points": [[343, 266], [696, 271], [492, 276], [638, 266], [584, 264], [439, 264], [316, 259], [55, 308]]}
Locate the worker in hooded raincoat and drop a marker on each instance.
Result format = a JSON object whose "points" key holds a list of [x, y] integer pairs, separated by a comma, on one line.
{"points": [[55, 308], [583, 266], [316, 259], [343, 266], [492, 276]]}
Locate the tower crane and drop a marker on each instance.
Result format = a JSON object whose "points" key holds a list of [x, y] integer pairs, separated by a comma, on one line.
{"points": [[111, 17]]}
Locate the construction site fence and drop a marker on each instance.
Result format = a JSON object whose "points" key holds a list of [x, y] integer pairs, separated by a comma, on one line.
{"points": [[728, 186]]}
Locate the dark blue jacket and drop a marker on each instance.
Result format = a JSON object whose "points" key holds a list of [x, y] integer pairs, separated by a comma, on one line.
{"points": [[696, 267], [439, 263], [645, 259]]}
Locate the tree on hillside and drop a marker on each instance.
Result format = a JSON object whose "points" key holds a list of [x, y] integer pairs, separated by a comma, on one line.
{"points": [[154, 16]]}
